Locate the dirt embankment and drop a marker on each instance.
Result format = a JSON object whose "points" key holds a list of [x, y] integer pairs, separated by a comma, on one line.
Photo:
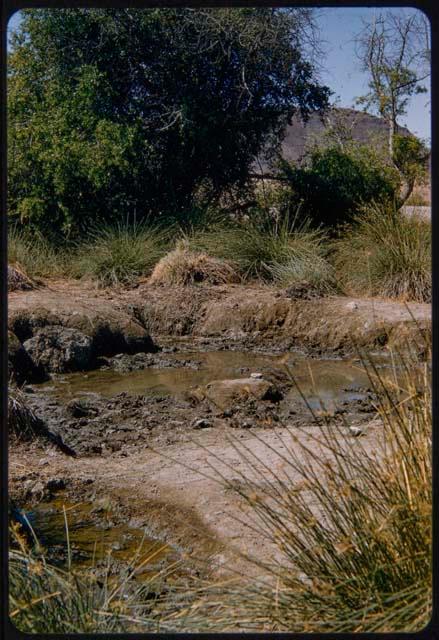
{"points": [[256, 315]]}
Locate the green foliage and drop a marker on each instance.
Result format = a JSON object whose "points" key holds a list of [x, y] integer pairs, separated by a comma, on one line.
{"points": [[307, 268], [386, 254], [115, 111], [410, 156], [336, 181], [119, 254], [260, 249]]}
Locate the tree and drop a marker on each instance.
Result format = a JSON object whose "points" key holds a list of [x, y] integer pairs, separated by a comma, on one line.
{"points": [[132, 112], [394, 49]]}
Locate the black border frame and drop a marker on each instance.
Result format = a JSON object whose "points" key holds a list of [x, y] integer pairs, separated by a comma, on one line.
{"points": [[8, 7]]}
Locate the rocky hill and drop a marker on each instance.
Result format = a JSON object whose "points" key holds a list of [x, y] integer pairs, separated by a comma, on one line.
{"points": [[363, 127]]}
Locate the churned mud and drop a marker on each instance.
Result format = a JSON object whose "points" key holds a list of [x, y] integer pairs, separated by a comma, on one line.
{"points": [[152, 390]]}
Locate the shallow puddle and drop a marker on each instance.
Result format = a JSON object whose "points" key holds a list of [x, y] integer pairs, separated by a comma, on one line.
{"points": [[91, 535], [327, 381]]}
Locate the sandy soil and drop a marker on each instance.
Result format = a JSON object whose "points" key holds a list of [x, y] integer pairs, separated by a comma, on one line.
{"points": [[177, 492]]}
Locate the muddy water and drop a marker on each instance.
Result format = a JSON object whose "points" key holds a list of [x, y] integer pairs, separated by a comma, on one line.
{"points": [[92, 532], [92, 535], [327, 381]]}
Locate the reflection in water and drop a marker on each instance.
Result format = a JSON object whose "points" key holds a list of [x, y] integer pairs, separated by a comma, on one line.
{"points": [[92, 534], [327, 380]]}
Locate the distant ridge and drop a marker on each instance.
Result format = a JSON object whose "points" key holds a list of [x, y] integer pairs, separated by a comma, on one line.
{"points": [[363, 127]]}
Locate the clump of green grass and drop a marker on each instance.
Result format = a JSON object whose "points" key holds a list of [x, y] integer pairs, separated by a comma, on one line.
{"points": [[312, 272], [119, 254], [270, 251], [33, 254], [351, 523], [386, 254]]}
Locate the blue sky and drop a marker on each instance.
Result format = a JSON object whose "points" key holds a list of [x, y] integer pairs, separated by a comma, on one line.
{"points": [[340, 67]]}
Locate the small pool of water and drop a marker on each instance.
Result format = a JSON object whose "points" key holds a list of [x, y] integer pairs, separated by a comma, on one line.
{"points": [[327, 381], [92, 533]]}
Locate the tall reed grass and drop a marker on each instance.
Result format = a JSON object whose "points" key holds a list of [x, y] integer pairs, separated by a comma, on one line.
{"points": [[44, 598], [34, 255], [284, 251], [350, 523]]}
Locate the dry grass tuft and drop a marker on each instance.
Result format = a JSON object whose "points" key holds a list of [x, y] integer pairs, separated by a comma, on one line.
{"points": [[47, 599], [185, 267], [18, 280], [22, 422]]}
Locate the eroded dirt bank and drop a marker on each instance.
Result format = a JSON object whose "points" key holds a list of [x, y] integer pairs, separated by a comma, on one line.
{"points": [[152, 452], [236, 313]]}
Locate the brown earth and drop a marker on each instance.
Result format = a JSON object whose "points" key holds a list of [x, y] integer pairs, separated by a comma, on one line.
{"points": [[236, 313], [171, 485]]}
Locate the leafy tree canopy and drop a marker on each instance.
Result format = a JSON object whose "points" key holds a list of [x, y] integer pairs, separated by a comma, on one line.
{"points": [[132, 112]]}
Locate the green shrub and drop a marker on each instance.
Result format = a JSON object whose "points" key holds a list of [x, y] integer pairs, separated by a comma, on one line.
{"points": [[386, 254], [93, 137], [261, 250], [337, 181], [119, 254]]}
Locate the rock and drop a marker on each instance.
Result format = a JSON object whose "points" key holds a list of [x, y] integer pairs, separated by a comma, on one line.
{"points": [[21, 369], [25, 324], [113, 335], [58, 349], [352, 306], [55, 484], [225, 393], [356, 431], [256, 375], [201, 423], [81, 408]]}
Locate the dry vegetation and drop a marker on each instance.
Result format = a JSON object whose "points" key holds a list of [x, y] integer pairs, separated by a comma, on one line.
{"points": [[353, 534], [185, 267]]}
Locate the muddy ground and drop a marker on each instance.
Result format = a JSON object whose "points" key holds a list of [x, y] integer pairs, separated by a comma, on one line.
{"points": [[149, 451]]}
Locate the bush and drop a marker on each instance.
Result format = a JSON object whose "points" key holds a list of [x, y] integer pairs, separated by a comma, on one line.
{"points": [[337, 181], [313, 273], [184, 267], [261, 250], [386, 254], [352, 525], [119, 254], [33, 254]]}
